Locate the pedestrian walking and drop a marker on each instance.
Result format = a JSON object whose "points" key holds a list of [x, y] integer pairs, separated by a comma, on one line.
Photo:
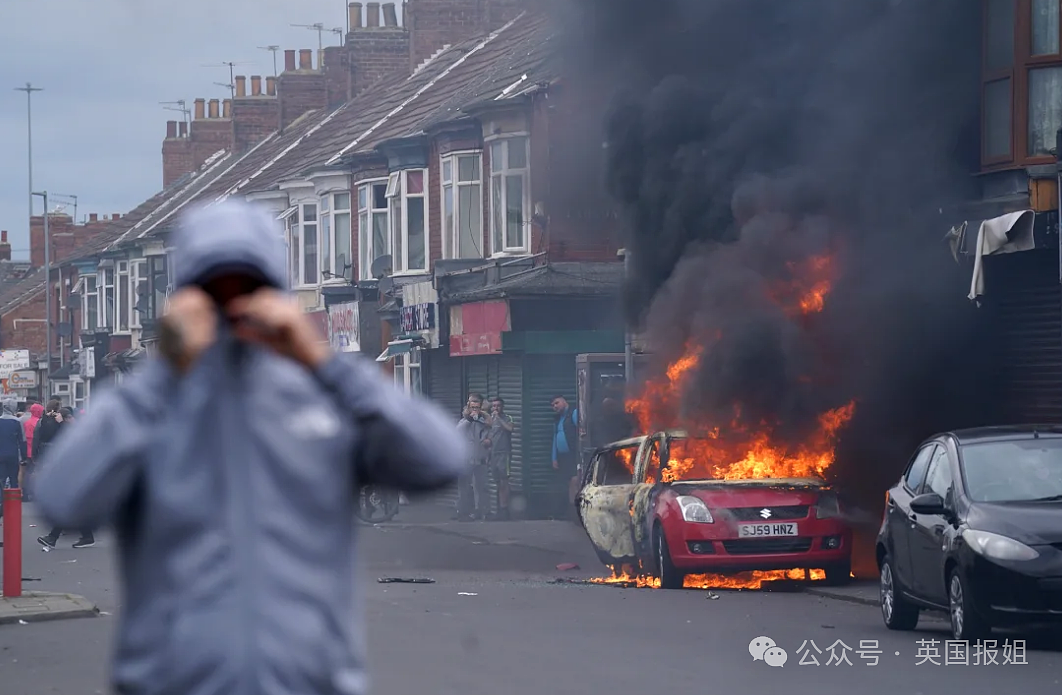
{"points": [[501, 453], [565, 454], [29, 426], [229, 465], [48, 430], [12, 449], [473, 490]]}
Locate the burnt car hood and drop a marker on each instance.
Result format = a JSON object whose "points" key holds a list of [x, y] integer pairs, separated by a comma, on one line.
{"points": [[1032, 523], [749, 493]]}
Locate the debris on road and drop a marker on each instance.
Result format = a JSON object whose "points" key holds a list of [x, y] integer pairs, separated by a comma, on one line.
{"points": [[567, 566], [466, 593], [713, 596], [405, 580], [23, 622]]}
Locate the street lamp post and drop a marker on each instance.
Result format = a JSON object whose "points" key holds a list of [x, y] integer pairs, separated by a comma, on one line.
{"points": [[29, 89], [47, 294]]}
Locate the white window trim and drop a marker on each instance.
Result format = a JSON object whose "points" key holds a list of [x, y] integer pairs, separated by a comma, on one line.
{"points": [[105, 318], [451, 248], [402, 365], [329, 270], [87, 297], [122, 279], [401, 265], [365, 236], [138, 270], [488, 194], [299, 255]]}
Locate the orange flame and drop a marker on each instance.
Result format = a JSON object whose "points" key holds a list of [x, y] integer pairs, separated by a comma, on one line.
{"points": [[745, 580]]}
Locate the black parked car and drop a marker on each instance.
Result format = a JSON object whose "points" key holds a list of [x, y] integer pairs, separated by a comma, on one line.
{"points": [[974, 528]]}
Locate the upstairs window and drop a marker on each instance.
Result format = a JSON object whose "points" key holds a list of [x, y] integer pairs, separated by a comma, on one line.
{"points": [[509, 192], [90, 304], [1021, 81], [462, 206], [374, 239], [122, 308], [336, 261], [408, 205], [138, 301], [157, 286], [106, 298]]}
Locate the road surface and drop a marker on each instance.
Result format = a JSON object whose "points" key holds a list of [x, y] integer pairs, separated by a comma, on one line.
{"points": [[494, 622]]}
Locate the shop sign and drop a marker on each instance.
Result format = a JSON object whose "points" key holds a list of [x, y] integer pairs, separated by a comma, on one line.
{"points": [[419, 317], [478, 344], [12, 361], [86, 363], [476, 328], [343, 327], [25, 379]]}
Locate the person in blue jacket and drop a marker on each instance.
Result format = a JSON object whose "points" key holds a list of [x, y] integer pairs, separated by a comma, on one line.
{"points": [[12, 449], [229, 466], [565, 453]]}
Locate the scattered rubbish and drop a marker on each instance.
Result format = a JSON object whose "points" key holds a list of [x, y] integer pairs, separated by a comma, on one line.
{"points": [[829, 627], [567, 566], [67, 562], [23, 622], [405, 580], [45, 549], [31, 579], [713, 596], [33, 525], [104, 613], [466, 593]]}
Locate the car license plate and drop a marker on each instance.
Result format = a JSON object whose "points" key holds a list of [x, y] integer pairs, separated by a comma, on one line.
{"points": [[766, 530]]}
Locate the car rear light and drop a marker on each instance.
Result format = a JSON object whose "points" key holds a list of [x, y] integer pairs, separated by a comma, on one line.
{"points": [[827, 506]]}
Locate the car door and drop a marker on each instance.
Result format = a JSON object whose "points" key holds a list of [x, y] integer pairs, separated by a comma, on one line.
{"points": [[899, 513], [604, 503], [927, 532]]}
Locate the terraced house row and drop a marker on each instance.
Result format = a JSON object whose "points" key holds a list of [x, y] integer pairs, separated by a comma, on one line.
{"points": [[422, 177]]}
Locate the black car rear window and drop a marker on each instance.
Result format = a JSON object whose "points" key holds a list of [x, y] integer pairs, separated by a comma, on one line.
{"points": [[1013, 471]]}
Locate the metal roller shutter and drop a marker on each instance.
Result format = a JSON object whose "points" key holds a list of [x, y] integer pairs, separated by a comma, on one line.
{"points": [[1024, 299], [445, 386], [510, 389], [545, 376]]}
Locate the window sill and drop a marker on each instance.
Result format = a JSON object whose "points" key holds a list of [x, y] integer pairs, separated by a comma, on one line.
{"points": [[410, 273], [510, 254]]}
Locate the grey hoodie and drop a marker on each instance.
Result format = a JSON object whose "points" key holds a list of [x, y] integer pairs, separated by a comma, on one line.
{"points": [[232, 493]]}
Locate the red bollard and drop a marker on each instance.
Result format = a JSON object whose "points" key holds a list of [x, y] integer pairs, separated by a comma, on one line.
{"points": [[12, 543]]}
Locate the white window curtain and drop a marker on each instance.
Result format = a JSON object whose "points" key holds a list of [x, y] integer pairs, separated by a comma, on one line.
{"points": [[1045, 109], [374, 239], [509, 193], [408, 206], [139, 300], [462, 203], [122, 307], [106, 298], [89, 304]]}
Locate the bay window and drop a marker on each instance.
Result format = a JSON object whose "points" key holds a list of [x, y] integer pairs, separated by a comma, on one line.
{"points": [[122, 309], [408, 207], [509, 191], [374, 238], [1021, 81], [89, 304], [156, 297], [335, 236], [106, 298], [138, 301], [407, 372], [462, 206]]}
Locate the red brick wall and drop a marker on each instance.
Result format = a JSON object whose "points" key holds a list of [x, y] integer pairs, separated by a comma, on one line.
{"points": [[337, 75], [209, 136], [253, 119], [177, 159], [64, 236], [299, 91], [436, 23], [17, 333], [434, 205], [377, 53]]}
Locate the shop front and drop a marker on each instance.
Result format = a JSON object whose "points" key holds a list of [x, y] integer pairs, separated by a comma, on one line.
{"points": [[416, 336]]}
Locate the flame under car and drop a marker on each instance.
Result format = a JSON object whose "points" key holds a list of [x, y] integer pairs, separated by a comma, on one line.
{"points": [[670, 521]]}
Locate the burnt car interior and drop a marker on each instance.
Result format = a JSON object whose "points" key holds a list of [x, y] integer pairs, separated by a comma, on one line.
{"points": [[612, 466]]}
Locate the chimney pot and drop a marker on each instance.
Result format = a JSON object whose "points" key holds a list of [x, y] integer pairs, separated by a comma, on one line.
{"points": [[3, 237], [306, 59], [182, 129], [256, 86], [200, 109], [354, 15], [289, 61], [171, 129], [93, 217], [241, 86], [116, 217], [390, 15], [372, 14], [226, 108], [271, 86], [214, 108]]}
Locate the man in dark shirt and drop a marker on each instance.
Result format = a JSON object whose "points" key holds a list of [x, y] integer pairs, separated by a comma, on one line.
{"points": [[501, 453]]}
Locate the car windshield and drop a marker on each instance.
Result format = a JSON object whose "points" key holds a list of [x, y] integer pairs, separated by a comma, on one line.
{"points": [[687, 460], [1013, 471]]}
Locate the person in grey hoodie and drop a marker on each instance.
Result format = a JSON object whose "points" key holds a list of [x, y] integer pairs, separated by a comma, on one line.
{"points": [[229, 466]]}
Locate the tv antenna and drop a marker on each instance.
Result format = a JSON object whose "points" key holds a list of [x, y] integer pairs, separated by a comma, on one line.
{"points": [[181, 107], [230, 86], [273, 50], [319, 27], [232, 73]]}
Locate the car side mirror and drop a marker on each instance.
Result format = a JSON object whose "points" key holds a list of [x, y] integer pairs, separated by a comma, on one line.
{"points": [[929, 504]]}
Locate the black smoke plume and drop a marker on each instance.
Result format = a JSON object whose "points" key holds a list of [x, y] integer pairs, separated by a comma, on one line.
{"points": [[745, 137]]}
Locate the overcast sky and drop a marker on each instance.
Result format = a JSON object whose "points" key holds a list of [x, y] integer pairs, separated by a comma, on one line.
{"points": [[105, 65]]}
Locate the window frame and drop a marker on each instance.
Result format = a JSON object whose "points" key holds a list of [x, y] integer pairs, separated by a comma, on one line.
{"points": [[105, 292], [138, 269], [155, 275], [122, 281], [328, 212], [404, 366], [502, 173], [366, 252], [450, 191], [90, 300], [299, 254], [1022, 63], [398, 197], [914, 488]]}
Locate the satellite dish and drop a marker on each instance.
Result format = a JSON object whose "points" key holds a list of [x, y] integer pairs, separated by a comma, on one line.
{"points": [[381, 267]]}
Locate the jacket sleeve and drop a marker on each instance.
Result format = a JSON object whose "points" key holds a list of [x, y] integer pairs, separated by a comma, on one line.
{"points": [[407, 443], [91, 468], [22, 442]]}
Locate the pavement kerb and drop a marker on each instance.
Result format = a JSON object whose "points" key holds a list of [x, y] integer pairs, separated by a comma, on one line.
{"points": [[76, 607], [840, 595]]}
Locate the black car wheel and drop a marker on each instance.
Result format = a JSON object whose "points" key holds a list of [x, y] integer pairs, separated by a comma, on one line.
{"points": [[895, 609], [839, 574], [966, 624], [670, 577]]}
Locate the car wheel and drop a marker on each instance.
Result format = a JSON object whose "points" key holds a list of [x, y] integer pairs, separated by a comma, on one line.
{"points": [[839, 574], [895, 609], [966, 624], [670, 577]]}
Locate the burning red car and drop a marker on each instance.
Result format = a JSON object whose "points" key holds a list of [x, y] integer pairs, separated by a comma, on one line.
{"points": [[647, 502]]}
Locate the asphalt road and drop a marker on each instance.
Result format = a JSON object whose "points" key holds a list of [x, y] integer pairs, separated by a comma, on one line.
{"points": [[520, 633]]}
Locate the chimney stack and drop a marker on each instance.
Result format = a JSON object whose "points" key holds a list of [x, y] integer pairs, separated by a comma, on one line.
{"points": [[116, 217], [93, 218], [321, 59], [256, 86], [289, 61], [226, 108], [306, 59], [372, 15], [241, 86], [200, 109], [214, 110], [182, 129], [171, 129], [354, 15], [5, 247], [271, 86], [390, 15]]}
